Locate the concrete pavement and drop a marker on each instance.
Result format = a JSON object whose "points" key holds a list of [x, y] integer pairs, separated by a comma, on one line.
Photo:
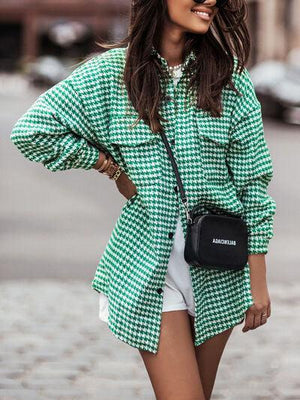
{"points": [[53, 346]]}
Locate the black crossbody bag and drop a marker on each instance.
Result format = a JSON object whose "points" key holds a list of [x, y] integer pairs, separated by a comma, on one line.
{"points": [[213, 241]]}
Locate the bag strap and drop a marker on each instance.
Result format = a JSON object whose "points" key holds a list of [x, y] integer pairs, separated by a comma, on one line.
{"points": [[177, 176], [189, 214]]}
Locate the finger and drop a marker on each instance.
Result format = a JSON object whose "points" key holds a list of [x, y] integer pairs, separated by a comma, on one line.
{"points": [[263, 319], [248, 321], [269, 310], [256, 320], [245, 327]]}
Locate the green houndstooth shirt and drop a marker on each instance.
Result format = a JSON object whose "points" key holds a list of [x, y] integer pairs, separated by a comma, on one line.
{"points": [[224, 164]]}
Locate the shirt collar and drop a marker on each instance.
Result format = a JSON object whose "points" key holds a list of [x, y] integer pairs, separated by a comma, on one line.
{"points": [[190, 56]]}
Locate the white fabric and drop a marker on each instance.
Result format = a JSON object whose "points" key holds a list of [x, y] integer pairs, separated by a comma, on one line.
{"points": [[177, 291]]}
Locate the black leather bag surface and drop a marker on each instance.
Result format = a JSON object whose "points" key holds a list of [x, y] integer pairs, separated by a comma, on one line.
{"points": [[213, 241]]}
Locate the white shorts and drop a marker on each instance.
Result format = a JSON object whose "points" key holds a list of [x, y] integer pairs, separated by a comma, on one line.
{"points": [[177, 291]]}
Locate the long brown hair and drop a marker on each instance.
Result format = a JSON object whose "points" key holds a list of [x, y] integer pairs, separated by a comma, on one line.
{"points": [[208, 74]]}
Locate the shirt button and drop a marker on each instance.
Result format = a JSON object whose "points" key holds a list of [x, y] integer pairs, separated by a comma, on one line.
{"points": [[176, 189], [172, 141], [159, 290], [171, 235], [169, 98]]}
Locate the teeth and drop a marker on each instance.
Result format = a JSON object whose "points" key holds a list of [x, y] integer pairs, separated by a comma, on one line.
{"points": [[205, 14]]}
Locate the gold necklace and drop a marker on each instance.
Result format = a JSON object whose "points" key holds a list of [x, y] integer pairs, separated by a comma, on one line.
{"points": [[174, 69]]}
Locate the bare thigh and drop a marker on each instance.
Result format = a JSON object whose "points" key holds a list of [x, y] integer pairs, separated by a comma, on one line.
{"points": [[208, 356], [173, 371]]}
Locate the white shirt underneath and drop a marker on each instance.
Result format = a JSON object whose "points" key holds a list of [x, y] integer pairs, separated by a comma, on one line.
{"points": [[178, 270]]}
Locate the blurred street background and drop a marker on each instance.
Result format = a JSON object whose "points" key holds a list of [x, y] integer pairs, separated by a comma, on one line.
{"points": [[52, 343]]}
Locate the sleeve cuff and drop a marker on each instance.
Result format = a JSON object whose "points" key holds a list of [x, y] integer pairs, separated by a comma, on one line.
{"points": [[258, 244], [88, 157]]}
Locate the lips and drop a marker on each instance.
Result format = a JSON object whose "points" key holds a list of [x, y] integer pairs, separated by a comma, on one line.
{"points": [[203, 13], [202, 9]]}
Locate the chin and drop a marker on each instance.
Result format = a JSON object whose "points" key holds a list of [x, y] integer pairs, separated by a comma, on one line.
{"points": [[198, 30]]}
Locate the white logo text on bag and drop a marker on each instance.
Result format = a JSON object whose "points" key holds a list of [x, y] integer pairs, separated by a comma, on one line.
{"points": [[224, 241]]}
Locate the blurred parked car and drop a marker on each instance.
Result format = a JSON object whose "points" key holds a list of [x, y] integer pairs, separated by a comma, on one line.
{"points": [[46, 71], [277, 85]]}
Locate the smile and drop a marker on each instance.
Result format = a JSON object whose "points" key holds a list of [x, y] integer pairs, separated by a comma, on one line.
{"points": [[202, 14]]}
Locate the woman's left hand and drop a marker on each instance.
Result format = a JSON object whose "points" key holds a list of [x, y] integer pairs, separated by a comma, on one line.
{"points": [[257, 314]]}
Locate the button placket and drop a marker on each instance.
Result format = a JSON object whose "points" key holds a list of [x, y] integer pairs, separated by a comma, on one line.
{"points": [[170, 114]]}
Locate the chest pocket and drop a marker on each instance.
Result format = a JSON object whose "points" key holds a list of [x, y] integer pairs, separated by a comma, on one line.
{"points": [[139, 148], [213, 141]]}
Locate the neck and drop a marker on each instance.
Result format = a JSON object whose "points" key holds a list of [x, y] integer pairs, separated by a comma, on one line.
{"points": [[172, 45]]}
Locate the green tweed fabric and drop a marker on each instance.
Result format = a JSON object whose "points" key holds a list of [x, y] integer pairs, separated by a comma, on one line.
{"points": [[224, 163]]}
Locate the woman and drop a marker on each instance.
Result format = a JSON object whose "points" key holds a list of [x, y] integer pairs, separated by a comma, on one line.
{"points": [[107, 115]]}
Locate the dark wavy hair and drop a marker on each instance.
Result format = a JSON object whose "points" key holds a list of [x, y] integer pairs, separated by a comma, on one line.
{"points": [[211, 71]]}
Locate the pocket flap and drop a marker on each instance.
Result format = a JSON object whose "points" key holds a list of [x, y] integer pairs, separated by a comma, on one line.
{"points": [[213, 130], [122, 131]]}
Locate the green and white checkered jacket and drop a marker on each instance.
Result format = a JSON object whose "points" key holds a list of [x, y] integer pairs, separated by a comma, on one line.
{"points": [[224, 164]]}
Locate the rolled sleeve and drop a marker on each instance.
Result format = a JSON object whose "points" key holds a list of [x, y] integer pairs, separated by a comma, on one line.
{"points": [[55, 130], [250, 165]]}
